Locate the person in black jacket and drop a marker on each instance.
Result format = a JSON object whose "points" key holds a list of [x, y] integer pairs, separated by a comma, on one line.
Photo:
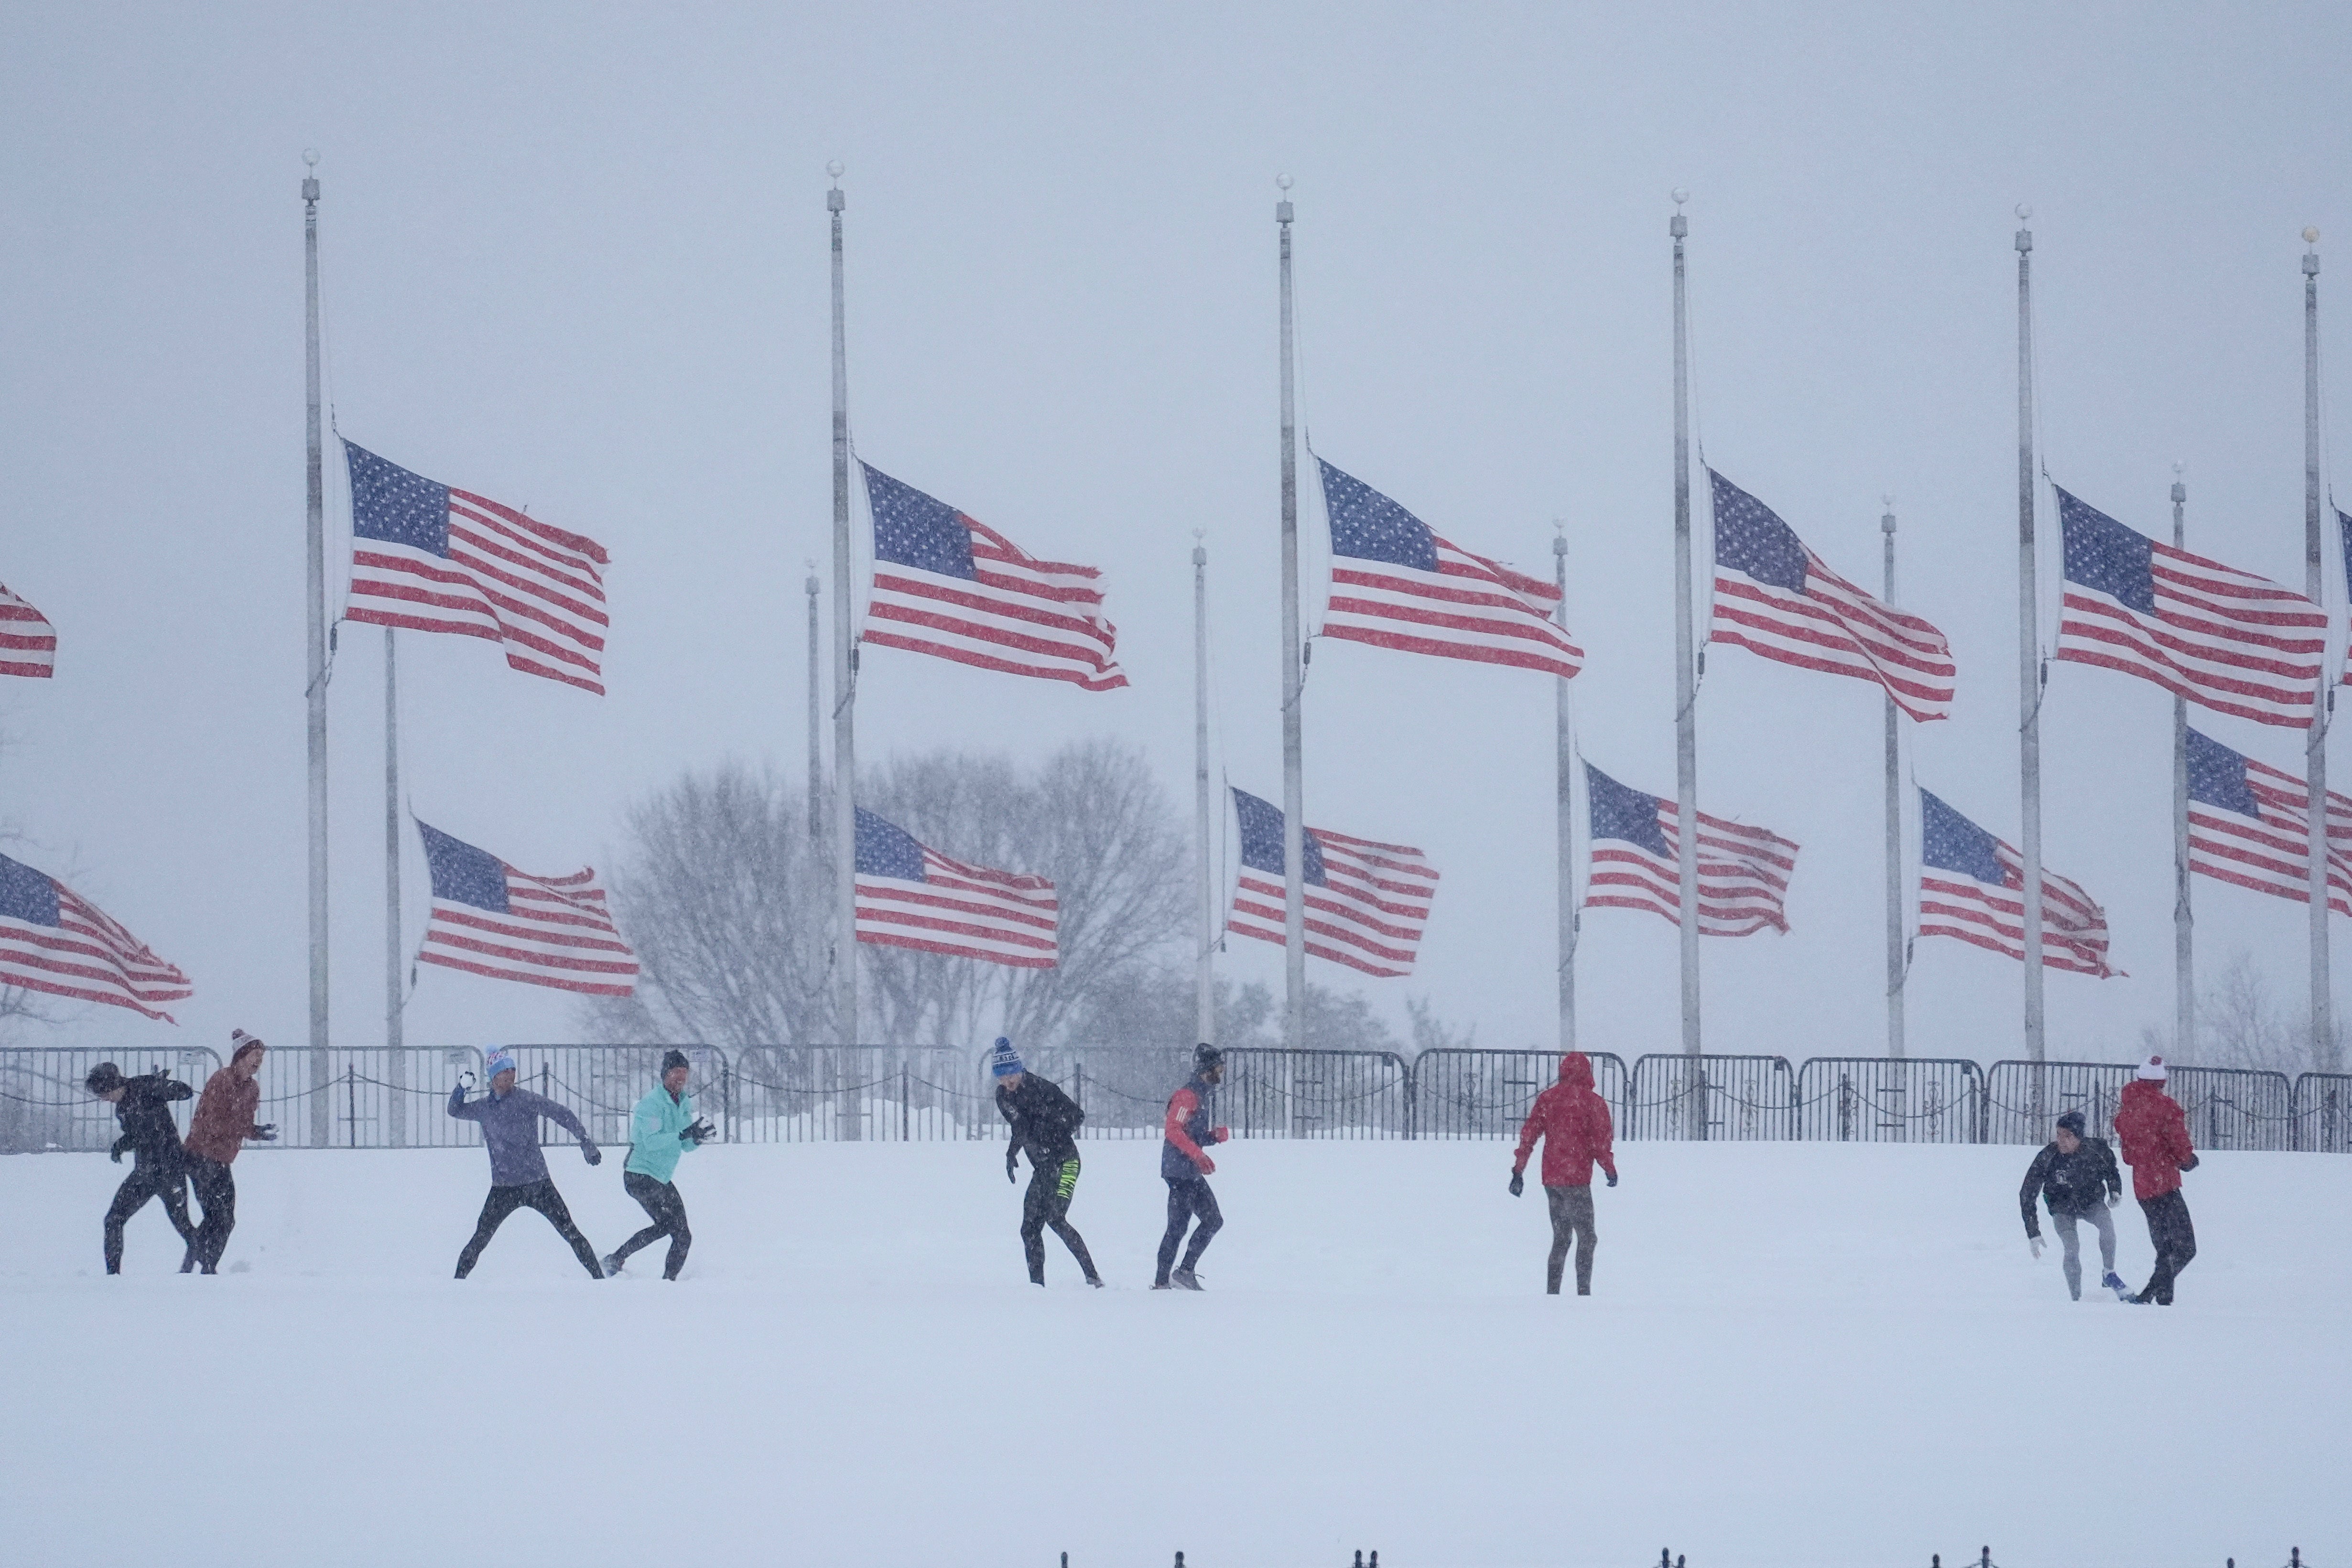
{"points": [[142, 1107], [1046, 1122], [2075, 1176]]}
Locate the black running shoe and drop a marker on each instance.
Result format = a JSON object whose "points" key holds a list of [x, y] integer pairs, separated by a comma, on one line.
{"points": [[1185, 1280]]}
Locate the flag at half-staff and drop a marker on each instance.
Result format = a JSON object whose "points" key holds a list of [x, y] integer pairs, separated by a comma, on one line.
{"points": [[2220, 638], [1367, 903], [1743, 871], [1397, 583], [2249, 823], [426, 557], [910, 896], [490, 919], [1773, 596], [2343, 536], [54, 940], [29, 643], [949, 585], [1973, 886]]}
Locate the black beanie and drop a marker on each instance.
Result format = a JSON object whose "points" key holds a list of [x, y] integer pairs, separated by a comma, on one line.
{"points": [[1206, 1056], [104, 1079], [673, 1060], [2073, 1122]]}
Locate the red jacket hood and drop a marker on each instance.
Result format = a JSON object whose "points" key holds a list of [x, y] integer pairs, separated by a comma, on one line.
{"points": [[1576, 1070]]}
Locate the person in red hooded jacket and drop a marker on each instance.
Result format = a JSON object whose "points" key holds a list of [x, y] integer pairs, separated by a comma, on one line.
{"points": [[2155, 1139], [1573, 1123]]}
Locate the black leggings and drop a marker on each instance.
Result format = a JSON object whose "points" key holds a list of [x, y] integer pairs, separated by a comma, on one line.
{"points": [[662, 1204], [539, 1195], [1048, 1202], [1187, 1196], [147, 1179], [216, 1190], [2175, 1240]]}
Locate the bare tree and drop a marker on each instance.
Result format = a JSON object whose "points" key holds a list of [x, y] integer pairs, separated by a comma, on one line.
{"points": [[2241, 1024]]}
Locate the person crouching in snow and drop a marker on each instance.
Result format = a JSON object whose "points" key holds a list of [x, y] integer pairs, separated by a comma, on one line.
{"points": [[1046, 1122], [1573, 1122], [1186, 1167], [2155, 1136], [519, 1179], [2074, 1174], [661, 1129], [143, 1108], [222, 1121]]}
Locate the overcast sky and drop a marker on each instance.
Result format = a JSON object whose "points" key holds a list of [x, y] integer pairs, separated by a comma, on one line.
{"points": [[575, 257]]}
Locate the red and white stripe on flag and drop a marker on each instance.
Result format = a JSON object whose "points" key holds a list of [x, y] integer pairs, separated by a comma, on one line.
{"points": [[1469, 608], [555, 931], [2073, 928], [55, 941], [1368, 913], [29, 643], [2274, 855], [1743, 875], [966, 910]]}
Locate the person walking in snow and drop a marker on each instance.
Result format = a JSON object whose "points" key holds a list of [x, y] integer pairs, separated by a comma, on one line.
{"points": [[222, 1121], [143, 1108], [1186, 1167], [519, 1179], [2154, 1138], [1573, 1120], [1044, 1122], [2074, 1176], [661, 1129]]}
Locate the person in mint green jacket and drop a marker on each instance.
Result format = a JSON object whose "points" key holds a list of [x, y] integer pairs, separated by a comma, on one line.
{"points": [[661, 1128]]}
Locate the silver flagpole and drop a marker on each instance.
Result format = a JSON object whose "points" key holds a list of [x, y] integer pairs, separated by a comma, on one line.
{"points": [[2184, 922], [1564, 790], [2029, 656], [845, 698], [395, 1071], [2323, 1028], [316, 541], [1685, 686], [815, 728], [1895, 923], [1203, 893], [1294, 788]]}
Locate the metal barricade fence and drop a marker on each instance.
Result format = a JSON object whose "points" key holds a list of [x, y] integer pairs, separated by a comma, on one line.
{"points": [[364, 1097], [2323, 1113], [602, 1084], [1885, 1100], [1740, 1098], [1280, 1093], [2235, 1108], [1122, 1089], [2022, 1099], [45, 1108], [881, 1094], [1469, 1093]]}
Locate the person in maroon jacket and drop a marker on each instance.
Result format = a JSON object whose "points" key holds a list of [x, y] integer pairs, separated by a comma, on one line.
{"points": [[2155, 1139], [222, 1121], [1573, 1123]]}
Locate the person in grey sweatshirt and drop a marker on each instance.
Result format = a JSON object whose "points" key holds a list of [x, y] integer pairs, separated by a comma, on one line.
{"points": [[519, 1179]]}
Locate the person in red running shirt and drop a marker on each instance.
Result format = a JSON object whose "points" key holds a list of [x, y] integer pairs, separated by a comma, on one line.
{"points": [[1186, 1167], [1573, 1123], [2155, 1139]]}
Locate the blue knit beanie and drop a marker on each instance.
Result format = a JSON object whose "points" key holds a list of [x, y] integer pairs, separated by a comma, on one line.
{"points": [[1004, 1062], [500, 1059]]}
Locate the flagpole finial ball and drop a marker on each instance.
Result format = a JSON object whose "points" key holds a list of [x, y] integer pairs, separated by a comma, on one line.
{"points": [[310, 161], [2177, 469], [2310, 236], [2024, 212], [1680, 194], [1283, 182], [834, 168]]}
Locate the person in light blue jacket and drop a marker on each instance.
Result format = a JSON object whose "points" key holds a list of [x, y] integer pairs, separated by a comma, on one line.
{"points": [[661, 1128]]}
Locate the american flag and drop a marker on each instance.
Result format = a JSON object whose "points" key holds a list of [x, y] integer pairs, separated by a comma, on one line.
{"points": [[2222, 639], [2250, 824], [1367, 903], [54, 940], [29, 643], [491, 919], [1973, 886], [427, 557], [1397, 584], [1774, 596], [1743, 872], [910, 896], [948, 584]]}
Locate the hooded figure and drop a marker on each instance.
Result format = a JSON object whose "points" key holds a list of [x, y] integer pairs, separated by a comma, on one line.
{"points": [[2154, 1138], [1573, 1120]]}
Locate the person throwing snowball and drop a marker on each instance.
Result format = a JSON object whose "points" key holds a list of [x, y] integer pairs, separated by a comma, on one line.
{"points": [[1573, 1120], [519, 1179]]}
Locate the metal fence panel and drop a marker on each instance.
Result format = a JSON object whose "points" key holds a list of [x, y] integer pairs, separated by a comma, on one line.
{"points": [[1276, 1093], [2323, 1113], [600, 1084], [2234, 1108], [1885, 1100], [880, 1094], [44, 1107], [2022, 1099], [1743, 1098], [1123, 1089], [366, 1097], [1468, 1093]]}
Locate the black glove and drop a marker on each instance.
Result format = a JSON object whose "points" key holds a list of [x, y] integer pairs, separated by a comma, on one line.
{"points": [[2189, 1163], [1013, 1164], [267, 1133], [1518, 1184], [592, 1153], [1613, 1179], [115, 1154]]}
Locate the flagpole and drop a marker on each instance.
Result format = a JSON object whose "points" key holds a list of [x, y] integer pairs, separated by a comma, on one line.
{"points": [[1294, 790], [1895, 923], [395, 1068], [316, 541], [2184, 922], [2323, 1031], [1685, 682], [844, 689], [1203, 895], [2028, 661], [815, 729], [1564, 790]]}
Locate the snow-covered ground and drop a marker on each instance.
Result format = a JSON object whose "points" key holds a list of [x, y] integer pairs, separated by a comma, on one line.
{"points": [[1797, 1353]]}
